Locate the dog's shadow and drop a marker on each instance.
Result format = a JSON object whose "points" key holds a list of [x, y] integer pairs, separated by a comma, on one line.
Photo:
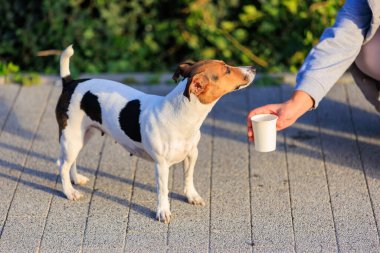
{"points": [[55, 178]]}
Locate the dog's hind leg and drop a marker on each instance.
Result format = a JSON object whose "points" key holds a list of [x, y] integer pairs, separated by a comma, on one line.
{"points": [[70, 148], [188, 167], [77, 178]]}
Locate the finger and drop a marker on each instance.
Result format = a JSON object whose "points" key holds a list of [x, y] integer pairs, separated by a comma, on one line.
{"points": [[249, 126], [267, 109], [282, 124], [250, 134], [279, 126]]}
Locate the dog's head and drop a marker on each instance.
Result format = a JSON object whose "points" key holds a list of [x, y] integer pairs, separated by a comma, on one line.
{"points": [[211, 79]]}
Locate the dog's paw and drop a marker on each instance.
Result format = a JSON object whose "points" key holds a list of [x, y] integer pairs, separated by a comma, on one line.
{"points": [[196, 200], [193, 197], [163, 215], [80, 180], [74, 195]]}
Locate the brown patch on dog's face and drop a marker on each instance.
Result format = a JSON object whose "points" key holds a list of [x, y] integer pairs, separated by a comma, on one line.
{"points": [[211, 79]]}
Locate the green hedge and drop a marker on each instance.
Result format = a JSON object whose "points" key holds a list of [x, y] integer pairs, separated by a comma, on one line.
{"points": [[148, 35]]}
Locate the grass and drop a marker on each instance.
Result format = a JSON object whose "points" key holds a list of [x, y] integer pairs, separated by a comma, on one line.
{"points": [[27, 79], [24, 79], [130, 80], [154, 79]]}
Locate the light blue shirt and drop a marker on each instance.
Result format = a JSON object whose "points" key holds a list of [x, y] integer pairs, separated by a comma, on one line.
{"points": [[338, 47]]}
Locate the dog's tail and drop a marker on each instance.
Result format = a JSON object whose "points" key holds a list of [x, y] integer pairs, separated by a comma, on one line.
{"points": [[64, 65]]}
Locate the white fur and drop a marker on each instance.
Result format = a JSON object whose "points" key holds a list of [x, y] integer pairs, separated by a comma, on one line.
{"points": [[169, 126], [64, 61]]}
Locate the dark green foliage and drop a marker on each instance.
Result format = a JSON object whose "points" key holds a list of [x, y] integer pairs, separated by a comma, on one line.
{"points": [[154, 79], [148, 35]]}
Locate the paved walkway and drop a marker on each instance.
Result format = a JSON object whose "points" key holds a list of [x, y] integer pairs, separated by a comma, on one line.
{"points": [[319, 192]]}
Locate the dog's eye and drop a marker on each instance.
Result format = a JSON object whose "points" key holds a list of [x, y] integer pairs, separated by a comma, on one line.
{"points": [[228, 71]]}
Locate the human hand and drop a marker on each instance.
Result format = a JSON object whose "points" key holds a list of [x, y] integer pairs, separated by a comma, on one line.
{"points": [[287, 112]]}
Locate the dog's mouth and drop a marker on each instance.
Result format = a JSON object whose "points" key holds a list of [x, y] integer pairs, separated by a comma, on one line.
{"points": [[242, 86], [247, 78]]}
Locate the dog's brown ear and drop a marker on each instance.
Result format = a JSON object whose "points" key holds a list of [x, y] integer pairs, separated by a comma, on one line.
{"points": [[196, 85], [183, 70]]}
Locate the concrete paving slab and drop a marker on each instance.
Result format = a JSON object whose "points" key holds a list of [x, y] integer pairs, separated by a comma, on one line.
{"points": [[19, 131], [108, 216], [312, 216], [366, 121], [352, 211], [272, 226], [27, 215], [230, 228], [189, 230], [66, 220], [145, 233], [8, 94]]}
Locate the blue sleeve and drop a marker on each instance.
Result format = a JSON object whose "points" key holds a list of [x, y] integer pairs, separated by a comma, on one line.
{"points": [[337, 49]]}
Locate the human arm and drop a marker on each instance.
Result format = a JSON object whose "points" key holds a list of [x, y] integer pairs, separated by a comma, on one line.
{"points": [[337, 49]]}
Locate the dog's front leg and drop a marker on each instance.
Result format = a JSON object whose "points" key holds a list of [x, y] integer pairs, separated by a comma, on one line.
{"points": [[188, 167], [162, 178]]}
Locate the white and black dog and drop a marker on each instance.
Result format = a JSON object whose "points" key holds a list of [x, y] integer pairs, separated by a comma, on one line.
{"points": [[164, 130]]}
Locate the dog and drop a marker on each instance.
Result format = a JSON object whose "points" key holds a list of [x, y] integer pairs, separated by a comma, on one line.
{"points": [[161, 129]]}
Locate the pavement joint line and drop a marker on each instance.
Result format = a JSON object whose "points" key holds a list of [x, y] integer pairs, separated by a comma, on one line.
{"points": [[327, 179], [288, 178], [92, 192], [211, 169], [171, 170], [10, 110], [361, 161], [130, 203], [47, 216], [248, 105], [26, 156], [171, 200]]}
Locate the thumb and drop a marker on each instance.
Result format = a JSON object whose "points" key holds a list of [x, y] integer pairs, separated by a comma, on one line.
{"points": [[266, 109]]}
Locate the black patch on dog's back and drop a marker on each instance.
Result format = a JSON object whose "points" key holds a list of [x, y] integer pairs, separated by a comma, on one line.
{"points": [[90, 105], [62, 107], [129, 120]]}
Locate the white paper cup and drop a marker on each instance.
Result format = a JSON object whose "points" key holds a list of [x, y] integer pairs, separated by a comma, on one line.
{"points": [[264, 130]]}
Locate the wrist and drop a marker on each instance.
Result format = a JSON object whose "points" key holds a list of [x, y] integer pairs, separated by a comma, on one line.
{"points": [[301, 102]]}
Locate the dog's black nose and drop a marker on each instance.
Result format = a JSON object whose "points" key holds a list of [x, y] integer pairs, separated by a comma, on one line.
{"points": [[252, 69]]}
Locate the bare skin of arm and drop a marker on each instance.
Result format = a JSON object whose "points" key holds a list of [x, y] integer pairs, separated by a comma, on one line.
{"points": [[287, 112]]}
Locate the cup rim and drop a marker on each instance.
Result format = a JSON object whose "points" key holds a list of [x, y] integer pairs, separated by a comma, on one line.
{"points": [[266, 117]]}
